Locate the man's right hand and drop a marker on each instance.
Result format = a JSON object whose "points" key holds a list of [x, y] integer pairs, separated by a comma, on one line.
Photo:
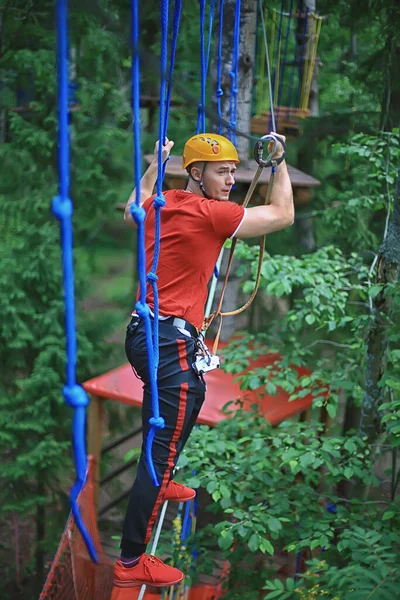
{"points": [[166, 149], [279, 148]]}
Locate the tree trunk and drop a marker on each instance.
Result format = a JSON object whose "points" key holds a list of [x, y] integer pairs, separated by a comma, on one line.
{"points": [[246, 66], [40, 537], [388, 268]]}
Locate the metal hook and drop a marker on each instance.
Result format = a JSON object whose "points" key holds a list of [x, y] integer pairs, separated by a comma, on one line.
{"points": [[259, 151]]}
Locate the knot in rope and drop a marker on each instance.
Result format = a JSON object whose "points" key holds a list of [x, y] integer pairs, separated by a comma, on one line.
{"points": [[138, 213], [152, 276], [159, 201], [142, 309], [75, 395], [219, 93], [62, 207], [157, 422]]}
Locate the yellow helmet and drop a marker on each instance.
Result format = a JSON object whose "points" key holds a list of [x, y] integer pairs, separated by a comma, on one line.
{"points": [[208, 147]]}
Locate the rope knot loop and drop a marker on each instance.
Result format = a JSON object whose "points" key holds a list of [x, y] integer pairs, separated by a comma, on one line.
{"points": [[62, 207], [157, 422], [219, 93], [159, 201], [138, 213], [142, 310], [75, 396], [151, 276]]}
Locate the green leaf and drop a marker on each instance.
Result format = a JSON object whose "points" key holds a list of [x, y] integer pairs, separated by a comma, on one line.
{"points": [[388, 515], [254, 542], [274, 524], [225, 540], [331, 409], [266, 546]]}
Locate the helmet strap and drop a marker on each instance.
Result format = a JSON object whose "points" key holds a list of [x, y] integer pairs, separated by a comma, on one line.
{"points": [[201, 184]]}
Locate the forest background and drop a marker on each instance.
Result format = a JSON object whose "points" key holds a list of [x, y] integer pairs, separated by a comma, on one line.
{"points": [[333, 308]]}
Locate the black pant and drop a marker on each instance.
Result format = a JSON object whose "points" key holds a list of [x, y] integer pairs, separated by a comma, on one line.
{"points": [[181, 395]]}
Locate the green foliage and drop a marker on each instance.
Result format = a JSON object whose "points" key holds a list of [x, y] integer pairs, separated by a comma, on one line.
{"points": [[275, 490], [293, 489]]}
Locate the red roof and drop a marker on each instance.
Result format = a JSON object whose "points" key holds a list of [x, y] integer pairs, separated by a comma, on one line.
{"points": [[122, 385]]}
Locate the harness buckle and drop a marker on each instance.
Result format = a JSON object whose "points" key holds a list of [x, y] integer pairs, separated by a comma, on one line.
{"points": [[204, 360]]}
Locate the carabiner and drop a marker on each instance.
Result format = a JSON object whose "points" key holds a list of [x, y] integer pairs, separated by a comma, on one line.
{"points": [[259, 151]]}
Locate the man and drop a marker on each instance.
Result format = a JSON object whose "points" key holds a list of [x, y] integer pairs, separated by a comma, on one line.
{"points": [[195, 223]]}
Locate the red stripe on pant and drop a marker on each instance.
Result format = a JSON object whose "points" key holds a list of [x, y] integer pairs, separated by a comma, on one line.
{"points": [[172, 453], [182, 353]]}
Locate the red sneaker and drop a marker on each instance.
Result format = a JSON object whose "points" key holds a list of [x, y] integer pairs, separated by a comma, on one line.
{"points": [[150, 570], [176, 492]]}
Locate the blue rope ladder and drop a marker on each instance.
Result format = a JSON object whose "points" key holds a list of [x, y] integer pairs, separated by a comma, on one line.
{"points": [[138, 213], [74, 394]]}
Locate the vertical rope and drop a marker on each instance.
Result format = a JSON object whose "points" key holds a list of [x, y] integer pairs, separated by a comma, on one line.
{"points": [[175, 31], [210, 25], [277, 56], [74, 395], [138, 214], [285, 51], [201, 118], [234, 75], [219, 92], [301, 57], [260, 4], [156, 421]]}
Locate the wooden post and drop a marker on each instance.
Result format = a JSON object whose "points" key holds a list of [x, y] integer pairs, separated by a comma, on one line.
{"points": [[96, 409]]}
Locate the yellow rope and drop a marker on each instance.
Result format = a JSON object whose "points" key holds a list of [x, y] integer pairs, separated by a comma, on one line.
{"points": [[313, 34]]}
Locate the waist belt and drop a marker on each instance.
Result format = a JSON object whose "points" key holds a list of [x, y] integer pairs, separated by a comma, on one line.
{"points": [[176, 322]]}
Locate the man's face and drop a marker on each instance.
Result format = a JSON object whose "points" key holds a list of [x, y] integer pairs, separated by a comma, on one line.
{"points": [[218, 179]]}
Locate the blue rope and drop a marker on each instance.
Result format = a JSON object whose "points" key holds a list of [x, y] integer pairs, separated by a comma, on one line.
{"points": [[175, 32], [138, 213], [75, 396], [204, 62], [210, 26], [285, 53], [234, 75], [219, 92], [201, 116]]}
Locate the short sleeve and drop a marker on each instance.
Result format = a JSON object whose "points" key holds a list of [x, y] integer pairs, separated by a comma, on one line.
{"points": [[226, 217]]}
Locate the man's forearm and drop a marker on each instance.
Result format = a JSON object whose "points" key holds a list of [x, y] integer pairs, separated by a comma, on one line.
{"points": [[147, 184], [282, 194]]}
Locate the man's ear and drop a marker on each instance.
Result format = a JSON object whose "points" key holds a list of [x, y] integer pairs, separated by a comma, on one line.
{"points": [[195, 173]]}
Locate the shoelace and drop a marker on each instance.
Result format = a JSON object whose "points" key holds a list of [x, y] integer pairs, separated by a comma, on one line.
{"points": [[150, 562]]}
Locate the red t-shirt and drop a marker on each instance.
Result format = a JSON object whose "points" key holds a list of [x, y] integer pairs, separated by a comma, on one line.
{"points": [[193, 231]]}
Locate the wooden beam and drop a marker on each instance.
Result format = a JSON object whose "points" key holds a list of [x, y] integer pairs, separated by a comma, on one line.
{"points": [[95, 422]]}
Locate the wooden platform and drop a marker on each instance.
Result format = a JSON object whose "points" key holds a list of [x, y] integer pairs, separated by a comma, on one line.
{"points": [[121, 385], [244, 174]]}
